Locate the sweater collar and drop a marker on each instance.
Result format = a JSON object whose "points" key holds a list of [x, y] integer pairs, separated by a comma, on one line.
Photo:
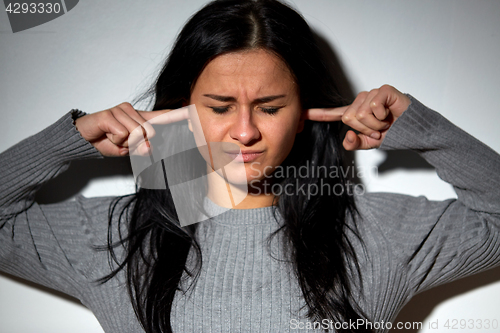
{"points": [[238, 217]]}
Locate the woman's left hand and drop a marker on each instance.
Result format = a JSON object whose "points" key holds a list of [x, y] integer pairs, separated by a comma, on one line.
{"points": [[371, 114]]}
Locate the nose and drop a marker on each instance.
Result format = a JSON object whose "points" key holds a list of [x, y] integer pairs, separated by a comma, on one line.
{"points": [[243, 128]]}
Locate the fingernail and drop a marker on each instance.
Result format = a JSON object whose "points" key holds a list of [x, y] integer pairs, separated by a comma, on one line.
{"points": [[348, 139], [386, 126], [124, 151], [375, 135]]}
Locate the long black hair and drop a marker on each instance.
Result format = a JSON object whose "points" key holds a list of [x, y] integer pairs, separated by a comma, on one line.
{"points": [[315, 226]]}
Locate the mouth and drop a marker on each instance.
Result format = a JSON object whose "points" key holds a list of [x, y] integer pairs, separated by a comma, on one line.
{"points": [[245, 156]]}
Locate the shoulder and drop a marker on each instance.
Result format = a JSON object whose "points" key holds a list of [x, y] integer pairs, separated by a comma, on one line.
{"points": [[84, 223], [394, 208], [397, 224], [428, 241]]}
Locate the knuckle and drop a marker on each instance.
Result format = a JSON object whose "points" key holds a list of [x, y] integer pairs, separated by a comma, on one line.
{"points": [[366, 110], [122, 133], [386, 87], [362, 114], [108, 114], [126, 105], [363, 94]]}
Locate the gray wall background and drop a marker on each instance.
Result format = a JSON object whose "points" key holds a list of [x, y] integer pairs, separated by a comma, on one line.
{"points": [[102, 53]]}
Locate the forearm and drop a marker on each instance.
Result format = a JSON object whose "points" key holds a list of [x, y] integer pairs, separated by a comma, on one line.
{"points": [[460, 159], [434, 242], [49, 245], [27, 165]]}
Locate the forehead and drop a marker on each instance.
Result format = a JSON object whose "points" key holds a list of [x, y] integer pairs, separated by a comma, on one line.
{"points": [[253, 69]]}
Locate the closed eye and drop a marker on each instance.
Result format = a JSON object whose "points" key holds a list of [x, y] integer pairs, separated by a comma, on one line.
{"points": [[219, 110], [270, 111]]}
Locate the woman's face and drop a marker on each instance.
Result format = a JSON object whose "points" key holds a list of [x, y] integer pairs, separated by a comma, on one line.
{"points": [[250, 99]]}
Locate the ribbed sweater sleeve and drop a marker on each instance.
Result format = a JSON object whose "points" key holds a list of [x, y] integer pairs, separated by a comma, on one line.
{"points": [[32, 247], [460, 159], [412, 243]]}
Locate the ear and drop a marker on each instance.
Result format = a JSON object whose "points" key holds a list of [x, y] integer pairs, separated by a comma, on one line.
{"points": [[302, 120]]}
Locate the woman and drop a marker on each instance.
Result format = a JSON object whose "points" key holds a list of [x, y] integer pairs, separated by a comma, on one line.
{"points": [[254, 74]]}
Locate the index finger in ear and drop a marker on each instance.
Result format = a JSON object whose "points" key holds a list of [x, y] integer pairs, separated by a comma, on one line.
{"points": [[165, 116], [326, 114], [138, 136]]}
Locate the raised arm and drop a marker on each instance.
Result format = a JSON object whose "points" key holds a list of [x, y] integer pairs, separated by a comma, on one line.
{"points": [[414, 243], [51, 244], [31, 248], [440, 241], [29, 164]]}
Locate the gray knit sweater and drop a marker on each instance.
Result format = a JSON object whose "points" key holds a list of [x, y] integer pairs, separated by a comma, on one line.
{"points": [[410, 243]]}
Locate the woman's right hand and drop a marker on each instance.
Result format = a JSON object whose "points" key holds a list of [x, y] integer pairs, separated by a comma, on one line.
{"points": [[109, 130]]}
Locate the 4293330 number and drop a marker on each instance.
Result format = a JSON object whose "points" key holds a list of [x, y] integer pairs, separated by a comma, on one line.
{"points": [[32, 8], [477, 324]]}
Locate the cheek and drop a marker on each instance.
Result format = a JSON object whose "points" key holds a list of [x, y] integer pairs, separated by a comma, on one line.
{"points": [[212, 128], [281, 138]]}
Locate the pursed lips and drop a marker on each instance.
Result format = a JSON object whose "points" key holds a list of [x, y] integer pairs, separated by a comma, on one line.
{"points": [[247, 155]]}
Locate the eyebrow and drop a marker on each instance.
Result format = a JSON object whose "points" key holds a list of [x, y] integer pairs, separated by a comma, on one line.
{"points": [[265, 99]]}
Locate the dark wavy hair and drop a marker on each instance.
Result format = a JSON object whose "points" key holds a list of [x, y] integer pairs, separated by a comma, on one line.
{"points": [[315, 228]]}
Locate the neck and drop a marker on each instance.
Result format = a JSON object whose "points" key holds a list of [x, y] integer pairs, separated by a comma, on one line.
{"points": [[238, 196]]}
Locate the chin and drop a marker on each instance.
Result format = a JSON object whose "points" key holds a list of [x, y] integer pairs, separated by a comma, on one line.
{"points": [[234, 173]]}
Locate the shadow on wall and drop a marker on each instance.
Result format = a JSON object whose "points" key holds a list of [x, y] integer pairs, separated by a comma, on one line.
{"points": [[395, 159], [71, 182], [403, 159], [421, 306]]}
